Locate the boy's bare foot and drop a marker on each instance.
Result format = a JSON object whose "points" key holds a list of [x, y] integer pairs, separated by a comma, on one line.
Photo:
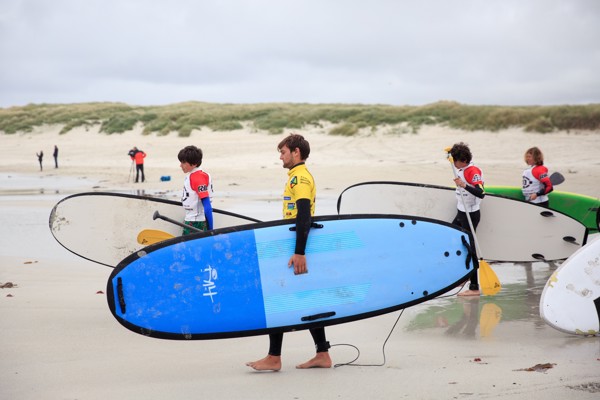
{"points": [[269, 363], [320, 360], [469, 293]]}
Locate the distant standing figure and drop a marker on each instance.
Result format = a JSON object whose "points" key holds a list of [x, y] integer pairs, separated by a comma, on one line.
{"points": [[40, 156], [55, 154], [536, 182], [138, 156]]}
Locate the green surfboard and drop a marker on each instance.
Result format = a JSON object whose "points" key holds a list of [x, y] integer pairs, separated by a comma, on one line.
{"points": [[585, 209]]}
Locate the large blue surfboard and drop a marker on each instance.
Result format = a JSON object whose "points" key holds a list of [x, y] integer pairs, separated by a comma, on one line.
{"points": [[235, 282]]}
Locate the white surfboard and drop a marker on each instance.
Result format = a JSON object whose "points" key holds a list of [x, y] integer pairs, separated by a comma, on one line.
{"points": [[104, 227], [570, 301], [509, 230]]}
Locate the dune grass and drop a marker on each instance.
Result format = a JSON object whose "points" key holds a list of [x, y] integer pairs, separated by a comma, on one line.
{"points": [[346, 119]]}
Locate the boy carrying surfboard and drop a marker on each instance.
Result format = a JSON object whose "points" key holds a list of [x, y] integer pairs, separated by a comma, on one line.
{"points": [[298, 202], [469, 192], [536, 181], [197, 190]]}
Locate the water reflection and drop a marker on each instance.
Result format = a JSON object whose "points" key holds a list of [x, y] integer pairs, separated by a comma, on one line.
{"points": [[473, 318]]}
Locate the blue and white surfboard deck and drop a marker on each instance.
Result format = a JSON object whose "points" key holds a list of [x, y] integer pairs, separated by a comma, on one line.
{"points": [[235, 282], [570, 301], [509, 230], [103, 227]]}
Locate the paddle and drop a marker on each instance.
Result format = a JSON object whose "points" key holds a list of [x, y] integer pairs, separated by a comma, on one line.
{"points": [[151, 236], [490, 284], [191, 228], [556, 178]]}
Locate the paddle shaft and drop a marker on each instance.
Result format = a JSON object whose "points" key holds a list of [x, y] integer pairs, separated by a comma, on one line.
{"points": [[192, 228]]}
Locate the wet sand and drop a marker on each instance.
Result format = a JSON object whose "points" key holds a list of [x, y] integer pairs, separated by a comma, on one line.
{"points": [[59, 340]]}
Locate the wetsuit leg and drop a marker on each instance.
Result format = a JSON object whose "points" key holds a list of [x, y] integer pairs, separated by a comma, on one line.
{"points": [[321, 343], [275, 343]]}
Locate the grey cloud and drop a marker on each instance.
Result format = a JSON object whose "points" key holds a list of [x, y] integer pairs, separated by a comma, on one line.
{"points": [[394, 52]]}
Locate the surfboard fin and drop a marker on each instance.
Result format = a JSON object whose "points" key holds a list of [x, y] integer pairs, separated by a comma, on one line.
{"points": [[571, 239]]}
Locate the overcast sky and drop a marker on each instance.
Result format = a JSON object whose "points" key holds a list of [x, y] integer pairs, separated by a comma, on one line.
{"points": [[151, 52]]}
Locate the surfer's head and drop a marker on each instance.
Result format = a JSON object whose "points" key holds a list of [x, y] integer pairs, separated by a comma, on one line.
{"points": [[461, 152], [295, 144], [191, 155], [534, 156]]}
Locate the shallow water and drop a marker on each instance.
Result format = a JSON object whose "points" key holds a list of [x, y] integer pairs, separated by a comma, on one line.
{"points": [[479, 317]]}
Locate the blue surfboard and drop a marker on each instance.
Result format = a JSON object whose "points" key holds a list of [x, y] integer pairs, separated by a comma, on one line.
{"points": [[235, 282]]}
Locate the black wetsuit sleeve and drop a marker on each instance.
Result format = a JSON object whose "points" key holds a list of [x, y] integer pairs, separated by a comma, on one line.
{"points": [[476, 191], [303, 221]]}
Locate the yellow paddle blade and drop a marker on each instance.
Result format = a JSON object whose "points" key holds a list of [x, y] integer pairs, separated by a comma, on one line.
{"points": [[488, 319], [488, 280], [151, 236]]}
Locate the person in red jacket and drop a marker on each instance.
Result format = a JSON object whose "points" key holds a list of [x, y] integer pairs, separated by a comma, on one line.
{"points": [[138, 156], [536, 182]]}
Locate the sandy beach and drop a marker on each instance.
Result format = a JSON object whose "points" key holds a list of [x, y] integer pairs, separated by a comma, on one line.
{"points": [[59, 340]]}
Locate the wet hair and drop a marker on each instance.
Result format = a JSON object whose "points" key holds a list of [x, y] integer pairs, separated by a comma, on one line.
{"points": [[295, 141], [191, 155], [461, 152], [536, 153]]}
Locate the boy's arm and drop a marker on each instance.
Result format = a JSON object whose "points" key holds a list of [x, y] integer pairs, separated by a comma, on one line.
{"points": [[541, 174], [208, 212]]}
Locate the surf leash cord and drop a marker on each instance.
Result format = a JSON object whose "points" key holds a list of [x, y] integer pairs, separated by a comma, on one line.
{"points": [[352, 363]]}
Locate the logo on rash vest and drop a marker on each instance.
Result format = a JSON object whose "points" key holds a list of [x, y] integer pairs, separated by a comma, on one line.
{"points": [[293, 182]]}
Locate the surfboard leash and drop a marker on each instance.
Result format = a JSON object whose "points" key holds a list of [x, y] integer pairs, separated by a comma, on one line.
{"points": [[352, 364]]}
